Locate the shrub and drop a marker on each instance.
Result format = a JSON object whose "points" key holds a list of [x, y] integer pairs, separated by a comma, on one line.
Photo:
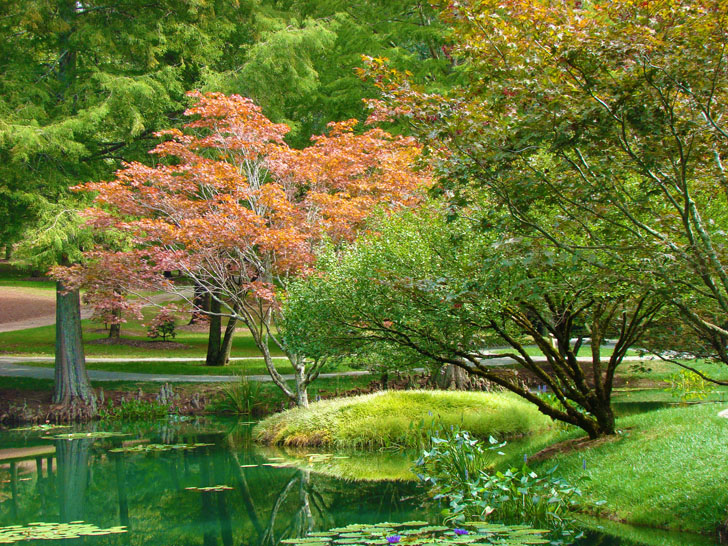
{"points": [[162, 325], [240, 397]]}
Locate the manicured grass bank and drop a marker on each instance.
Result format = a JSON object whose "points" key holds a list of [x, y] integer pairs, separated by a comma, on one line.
{"points": [[668, 469], [399, 418]]}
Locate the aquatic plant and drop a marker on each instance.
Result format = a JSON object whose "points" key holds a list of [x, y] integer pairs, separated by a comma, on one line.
{"points": [[85, 435], [420, 533], [450, 468], [146, 448], [133, 410], [40, 428], [215, 488], [53, 531], [240, 397]]}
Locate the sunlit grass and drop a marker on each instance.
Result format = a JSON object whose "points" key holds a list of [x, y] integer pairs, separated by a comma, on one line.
{"points": [[400, 418], [667, 469]]}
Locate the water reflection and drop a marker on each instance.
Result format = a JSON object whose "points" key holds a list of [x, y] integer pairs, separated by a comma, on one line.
{"points": [[149, 492], [161, 495]]}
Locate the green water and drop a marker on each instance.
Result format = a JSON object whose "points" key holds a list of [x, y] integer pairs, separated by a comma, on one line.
{"points": [[269, 495]]}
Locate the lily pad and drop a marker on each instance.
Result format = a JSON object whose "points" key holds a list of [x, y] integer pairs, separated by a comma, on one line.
{"points": [[210, 488], [39, 530], [420, 533], [85, 435], [147, 448]]}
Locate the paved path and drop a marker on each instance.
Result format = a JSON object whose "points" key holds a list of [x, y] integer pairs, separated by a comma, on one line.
{"points": [[13, 370], [11, 367]]}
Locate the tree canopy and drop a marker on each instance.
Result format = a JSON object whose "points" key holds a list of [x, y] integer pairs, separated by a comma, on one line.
{"points": [[611, 113]]}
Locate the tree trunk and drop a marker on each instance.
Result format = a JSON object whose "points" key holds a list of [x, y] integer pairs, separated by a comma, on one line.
{"points": [[452, 377], [301, 387], [219, 347], [8, 251], [213, 340], [71, 379], [227, 341], [115, 327]]}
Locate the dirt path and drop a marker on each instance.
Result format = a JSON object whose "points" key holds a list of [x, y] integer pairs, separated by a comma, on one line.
{"points": [[22, 308]]}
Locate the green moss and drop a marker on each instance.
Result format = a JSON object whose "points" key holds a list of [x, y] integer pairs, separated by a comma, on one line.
{"points": [[400, 418], [667, 469]]}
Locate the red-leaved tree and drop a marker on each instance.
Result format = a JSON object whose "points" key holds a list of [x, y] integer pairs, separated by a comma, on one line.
{"points": [[237, 211]]}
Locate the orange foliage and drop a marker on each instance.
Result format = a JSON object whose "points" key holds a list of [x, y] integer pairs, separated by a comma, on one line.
{"points": [[230, 197]]}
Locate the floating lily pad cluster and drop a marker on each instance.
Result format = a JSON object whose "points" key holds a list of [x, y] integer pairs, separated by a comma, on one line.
{"points": [[40, 428], [210, 488], [146, 448], [53, 531], [420, 533], [85, 435]]}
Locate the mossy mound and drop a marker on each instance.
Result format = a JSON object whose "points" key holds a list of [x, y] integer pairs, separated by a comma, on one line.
{"points": [[400, 418]]}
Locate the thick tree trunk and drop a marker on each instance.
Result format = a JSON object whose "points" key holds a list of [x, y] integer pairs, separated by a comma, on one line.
{"points": [[227, 341], [218, 346], [213, 340], [8, 251], [71, 380], [452, 377]]}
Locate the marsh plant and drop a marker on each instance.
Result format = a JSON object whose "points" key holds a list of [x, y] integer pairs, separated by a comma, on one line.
{"points": [[457, 467], [133, 410], [240, 397]]}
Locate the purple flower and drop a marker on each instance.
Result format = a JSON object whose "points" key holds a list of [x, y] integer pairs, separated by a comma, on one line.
{"points": [[394, 539], [460, 531]]}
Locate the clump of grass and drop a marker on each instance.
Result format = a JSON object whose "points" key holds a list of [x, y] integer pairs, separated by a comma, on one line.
{"points": [[400, 418], [666, 470]]}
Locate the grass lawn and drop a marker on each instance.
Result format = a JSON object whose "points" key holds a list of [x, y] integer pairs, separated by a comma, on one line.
{"points": [[400, 418], [667, 469], [41, 342], [246, 367]]}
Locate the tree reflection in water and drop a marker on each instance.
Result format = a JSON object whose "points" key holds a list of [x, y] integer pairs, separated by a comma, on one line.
{"points": [[146, 491]]}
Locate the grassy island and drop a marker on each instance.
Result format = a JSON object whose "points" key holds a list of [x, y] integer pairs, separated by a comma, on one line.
{"points": [[400, 418]]}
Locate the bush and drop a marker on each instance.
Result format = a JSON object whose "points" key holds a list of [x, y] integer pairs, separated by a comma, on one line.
{"points": [[162, 325]]}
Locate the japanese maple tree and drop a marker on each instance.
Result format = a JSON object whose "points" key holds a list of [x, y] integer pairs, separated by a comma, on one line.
{"points": [[237, 211]]}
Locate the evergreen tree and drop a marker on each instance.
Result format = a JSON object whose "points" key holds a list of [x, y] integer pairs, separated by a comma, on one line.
{"points": [[84, 85]]}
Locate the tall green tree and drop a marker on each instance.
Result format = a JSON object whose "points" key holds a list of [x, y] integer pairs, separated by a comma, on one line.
{"points": [[59, 237], [84, 85], [301, 69]]}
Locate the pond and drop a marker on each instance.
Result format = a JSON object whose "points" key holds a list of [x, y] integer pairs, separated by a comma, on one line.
{"points": [[206, 483]]}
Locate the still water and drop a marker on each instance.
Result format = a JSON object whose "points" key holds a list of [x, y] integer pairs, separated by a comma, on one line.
{"points": [[224, 491]]}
